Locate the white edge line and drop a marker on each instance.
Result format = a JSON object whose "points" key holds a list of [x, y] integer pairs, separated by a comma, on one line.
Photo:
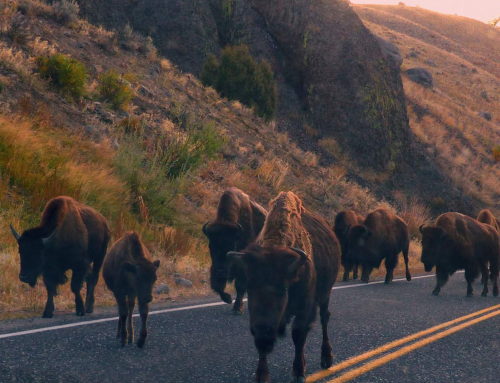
{"points": [[85, 323]]}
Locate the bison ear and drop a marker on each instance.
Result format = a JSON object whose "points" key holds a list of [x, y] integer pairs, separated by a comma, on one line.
{"points": [[14, 233], [127, 266], [205, 229], [442, 233], [156, 263]]}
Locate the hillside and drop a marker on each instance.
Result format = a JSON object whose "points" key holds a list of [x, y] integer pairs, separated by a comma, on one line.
{"points": [[123, 161], [463, 57]]}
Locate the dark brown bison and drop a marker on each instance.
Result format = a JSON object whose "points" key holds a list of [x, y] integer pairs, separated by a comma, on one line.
{"points": [[343, 222], [238, 223], [130, 274], [383, 235], [457, 242], [486, 216], [71, 236], [285, 281]]}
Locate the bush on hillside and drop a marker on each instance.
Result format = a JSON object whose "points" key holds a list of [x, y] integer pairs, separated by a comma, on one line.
{"points": [[238, 76], [66, 73], [113, 89], [496, 154], [66, 11]]}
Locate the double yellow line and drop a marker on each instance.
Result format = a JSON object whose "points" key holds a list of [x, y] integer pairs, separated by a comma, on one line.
{"points": [[356, 372]]}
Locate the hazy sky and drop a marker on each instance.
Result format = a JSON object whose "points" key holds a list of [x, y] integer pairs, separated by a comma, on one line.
{"points": [[484, 10]]}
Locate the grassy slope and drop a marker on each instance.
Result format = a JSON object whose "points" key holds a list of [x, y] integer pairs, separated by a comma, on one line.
{"points": [[467, 81], [50, 145]]}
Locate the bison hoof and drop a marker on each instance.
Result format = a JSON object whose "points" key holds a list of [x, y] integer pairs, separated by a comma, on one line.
{"points": [[495, 293], [435, 293], [484, 294], [470, 295], [326, 361], [47, 314], [80, 313], [238, 312], [141, 342], [90, 310], [408, 278], [345, 278], [299, 379]]}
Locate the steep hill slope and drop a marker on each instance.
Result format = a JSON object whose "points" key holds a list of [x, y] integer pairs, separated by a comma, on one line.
{"points": [[123, 162], [452, 119]]}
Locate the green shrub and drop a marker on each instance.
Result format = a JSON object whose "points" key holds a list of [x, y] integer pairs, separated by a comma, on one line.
{"points": [[113, 89], [156, 170], [239, 76], [66, 11], [66, 73]]}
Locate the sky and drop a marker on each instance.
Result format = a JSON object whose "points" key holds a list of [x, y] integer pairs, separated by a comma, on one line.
{"points": [[484, 10]]}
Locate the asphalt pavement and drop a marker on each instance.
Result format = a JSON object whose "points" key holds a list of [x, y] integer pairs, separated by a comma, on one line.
{"points": [[202, 341]]}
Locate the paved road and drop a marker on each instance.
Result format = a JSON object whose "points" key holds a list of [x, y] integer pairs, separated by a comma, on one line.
{"points": [[209, 344]]}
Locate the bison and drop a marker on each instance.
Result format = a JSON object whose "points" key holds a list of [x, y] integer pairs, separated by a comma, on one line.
{"points": [[130, 274], [343, 222], [383, 235], [71, 236], [486, 216], [285, 281], [457, 242], [238, 223]]}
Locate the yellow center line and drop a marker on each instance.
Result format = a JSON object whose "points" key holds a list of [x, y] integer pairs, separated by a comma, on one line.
{"points": [[405, 350], [360, 358]]}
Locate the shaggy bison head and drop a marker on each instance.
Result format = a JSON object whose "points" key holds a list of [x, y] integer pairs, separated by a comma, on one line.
{"points": [[223, 238], [270, 271], [434, 243], [144, 278], [32, 245]]}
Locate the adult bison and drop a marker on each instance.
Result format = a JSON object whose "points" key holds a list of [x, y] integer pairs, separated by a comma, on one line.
{"points": [[343, 222], [285, 281], [383, 235], [71, 236], [239, 221], [457, 242], [130, 274]]}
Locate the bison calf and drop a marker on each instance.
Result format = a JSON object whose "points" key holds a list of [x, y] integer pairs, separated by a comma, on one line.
{"points": [[71, 236], [457, 242], [239, 221], [130, 274], [383, 235], [343, 222]]}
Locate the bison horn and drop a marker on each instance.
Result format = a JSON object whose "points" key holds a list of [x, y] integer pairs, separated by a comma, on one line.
{"points": [[421, 229], [296, 265], [205, 228], [14, 233], [240, 227], [234, 254], [48, 241]]}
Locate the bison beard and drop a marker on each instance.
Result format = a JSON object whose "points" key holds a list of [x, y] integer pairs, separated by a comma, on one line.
{"points": [[70, 236], [239, 220], [457, 242], [285, 282]]}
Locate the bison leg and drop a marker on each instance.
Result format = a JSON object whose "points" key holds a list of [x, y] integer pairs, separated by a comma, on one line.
{"points": [[122, 318], [262, 373], [406, 251], [355, 271], [442, 278], [469, 277], [299, 335], [347, 269], [144, 311], [484, 272], [494, 271], [76, 285], [49, 306], [365, 274], [130, 319], [240, 284], [92, 280], [326, 347]]}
